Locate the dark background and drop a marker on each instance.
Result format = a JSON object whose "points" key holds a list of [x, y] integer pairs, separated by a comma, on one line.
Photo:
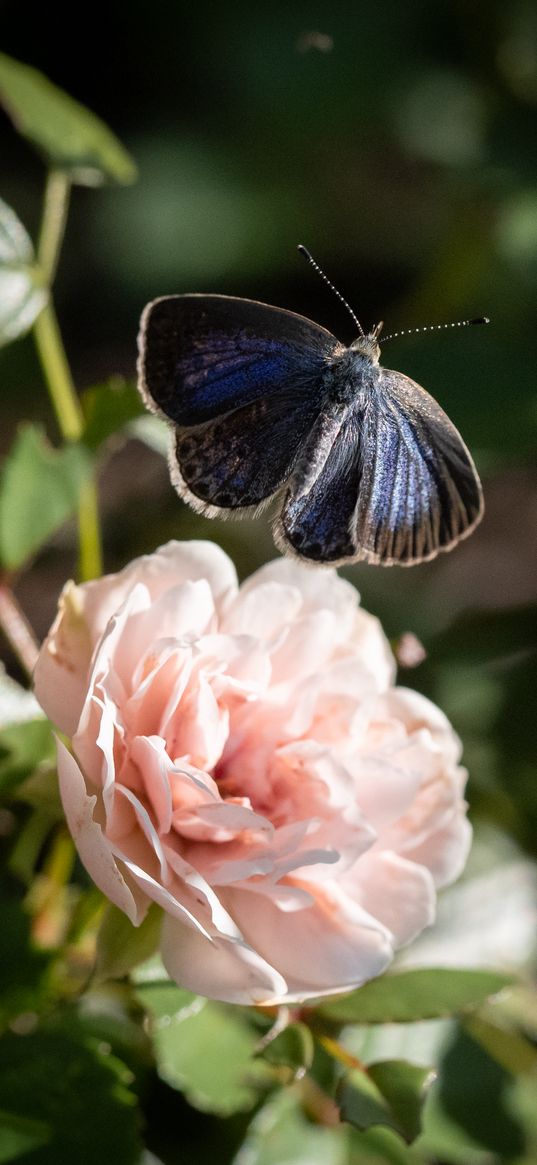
{"points": [[398, 142]]}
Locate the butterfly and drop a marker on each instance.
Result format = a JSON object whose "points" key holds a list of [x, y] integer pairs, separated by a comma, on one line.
{"points": [[263, 403]]}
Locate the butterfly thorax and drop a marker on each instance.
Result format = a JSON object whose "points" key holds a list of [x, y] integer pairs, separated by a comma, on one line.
{"points": [[351, 373], [368, 346]]}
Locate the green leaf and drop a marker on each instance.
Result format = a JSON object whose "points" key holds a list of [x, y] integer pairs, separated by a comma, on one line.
{"points": [[186, 1031], [66, 134], [39, 490], [121, 946], [108, 408], [20, 1135], [512, 1049], [281, 1133], [380, 1145], [410, 995], [390, 1093], [111, 1015], [475, 1092], [293, 1048], [22, 294], [404, 1086], [80, 1093], [23, 749]]}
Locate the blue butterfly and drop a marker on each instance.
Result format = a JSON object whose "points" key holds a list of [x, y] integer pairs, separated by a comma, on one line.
{"points": [[263, 402]]}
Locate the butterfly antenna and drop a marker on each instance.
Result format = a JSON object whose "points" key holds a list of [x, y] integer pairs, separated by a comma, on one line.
{"points": [[304, 251], [436, 327]]}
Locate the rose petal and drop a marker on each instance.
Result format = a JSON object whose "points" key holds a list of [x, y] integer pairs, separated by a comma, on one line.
{"points": [[169, 566], [61, 671], [91, 844], [445, 852], [334, 945], [317, 589], [220, 968], [262, 610], [398, 892]]}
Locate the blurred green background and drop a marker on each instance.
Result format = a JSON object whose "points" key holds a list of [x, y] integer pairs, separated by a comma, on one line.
{"points": [[398, 141]]}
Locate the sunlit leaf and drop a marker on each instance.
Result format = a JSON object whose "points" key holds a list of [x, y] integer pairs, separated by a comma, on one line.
{"points": [[186, 1034], [64, 132], [391, 1093], [39, 490], [22, 294], [412, 995]]}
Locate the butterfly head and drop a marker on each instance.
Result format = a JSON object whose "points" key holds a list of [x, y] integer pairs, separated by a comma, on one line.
{"points": [[369, 345]]}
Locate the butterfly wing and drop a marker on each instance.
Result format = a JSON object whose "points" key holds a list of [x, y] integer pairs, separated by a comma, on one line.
{"points": [[398, 486], [420, 493], [203, 355], [242, 384], [315, 521], [243, 457]]}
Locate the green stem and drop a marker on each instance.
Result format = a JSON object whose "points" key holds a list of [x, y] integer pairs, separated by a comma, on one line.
{"points": [[90, 563], [58, 374], [57, 371], [55, 207]]}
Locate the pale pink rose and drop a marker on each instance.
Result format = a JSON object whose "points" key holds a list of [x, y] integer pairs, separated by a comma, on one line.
{"points": [[241, 756]]}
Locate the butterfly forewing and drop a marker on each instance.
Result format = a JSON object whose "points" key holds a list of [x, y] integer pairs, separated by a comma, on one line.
{"points": [[204, 355]]}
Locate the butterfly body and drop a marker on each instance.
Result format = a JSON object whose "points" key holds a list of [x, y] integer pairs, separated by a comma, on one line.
{"points": [[264, 402]]}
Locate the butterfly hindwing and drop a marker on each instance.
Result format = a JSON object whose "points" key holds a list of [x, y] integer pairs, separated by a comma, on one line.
{"points": [[316, 516], [242, 458], [398, 485], [420, 492], [202, 356]]}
